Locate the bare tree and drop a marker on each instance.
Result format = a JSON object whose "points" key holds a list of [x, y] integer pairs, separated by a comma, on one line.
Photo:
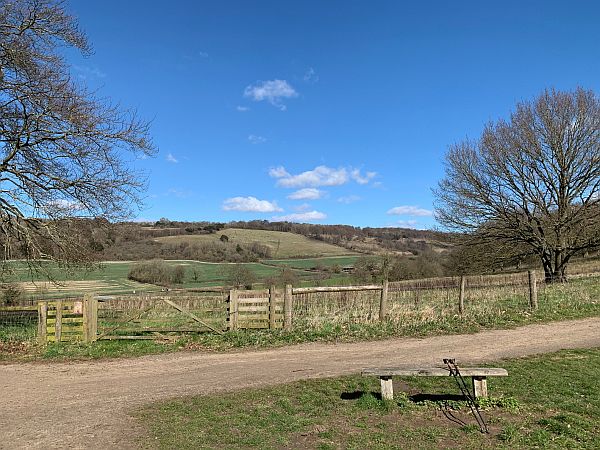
{"points": [[64, 154], [532, 181]]}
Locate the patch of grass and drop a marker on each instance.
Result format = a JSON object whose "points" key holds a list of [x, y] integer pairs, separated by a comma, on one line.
{"points": [[557, 395], [282, 244]]}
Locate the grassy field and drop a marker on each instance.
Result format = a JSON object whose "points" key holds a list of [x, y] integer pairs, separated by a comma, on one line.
{"points": [[548, 401], [111, 278], [283, 245], [318, 320], [311, 263]]}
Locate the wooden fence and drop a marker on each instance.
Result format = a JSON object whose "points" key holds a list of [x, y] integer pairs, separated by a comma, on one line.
{"points": [[68, 320], [168, 315]]}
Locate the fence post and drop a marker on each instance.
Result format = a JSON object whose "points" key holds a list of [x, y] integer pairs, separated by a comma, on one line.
{"points": [[272, 297], [533, 300], [90, 318], [383, 301], [461, 295], [42, 321], [233, 309], [58, 321], [287, 308]]}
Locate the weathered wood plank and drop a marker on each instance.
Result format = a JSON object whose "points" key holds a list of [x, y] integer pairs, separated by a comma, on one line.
{"points": [[287, 307], [311, 290], [193, 316], [480, 386], [387, 388], [434, 371]]}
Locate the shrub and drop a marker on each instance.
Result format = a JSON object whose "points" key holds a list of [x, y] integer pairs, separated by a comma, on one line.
{"points": [[156, 272]]}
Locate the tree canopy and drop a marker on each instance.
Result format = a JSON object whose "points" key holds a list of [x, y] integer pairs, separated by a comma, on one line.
{"points": [[64, 153], [532, 182]]}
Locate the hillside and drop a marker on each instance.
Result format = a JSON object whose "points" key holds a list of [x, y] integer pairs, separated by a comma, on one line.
{"points": [[281, 244]]}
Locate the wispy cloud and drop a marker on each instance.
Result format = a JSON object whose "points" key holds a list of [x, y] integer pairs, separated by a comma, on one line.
{"points": [[273, 91], [310, 76], [407, 210], [309, 216], [179, 193], [254, 139], [307, 194], [250, 204], [360, 179], [348, 199], [85, 72], [242, 108], [170, 158], [407, 223], [301, 207], [319, 176]]}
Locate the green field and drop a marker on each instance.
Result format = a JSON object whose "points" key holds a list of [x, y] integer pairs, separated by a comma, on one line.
{"points": [[548, 401], [111, 277], [311, 263], [282, 244]]}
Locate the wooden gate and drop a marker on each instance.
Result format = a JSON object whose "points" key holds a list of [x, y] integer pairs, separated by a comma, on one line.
{"points": [[256, 309], [155, 318], [68, 320]]}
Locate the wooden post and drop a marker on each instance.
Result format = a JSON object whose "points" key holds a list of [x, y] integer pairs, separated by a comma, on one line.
{"points": [[86, 317], [42, 319], [383, 301], [233, 309], [533, 300], [90, 318], [480, 387], [287, 308], [387, 388], [272, 307], [58, 321], [461, 296], [93, 318]]}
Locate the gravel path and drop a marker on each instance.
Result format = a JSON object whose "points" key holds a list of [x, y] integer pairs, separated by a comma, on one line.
{"points": [[86, 404]]}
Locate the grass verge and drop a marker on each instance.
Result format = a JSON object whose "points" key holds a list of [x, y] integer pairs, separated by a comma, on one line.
{"points": [[549, 401]]}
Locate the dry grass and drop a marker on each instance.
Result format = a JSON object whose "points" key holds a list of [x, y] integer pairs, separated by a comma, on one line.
{"points": [[283, 245]]}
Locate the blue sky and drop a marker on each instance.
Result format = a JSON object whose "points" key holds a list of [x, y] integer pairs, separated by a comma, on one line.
{"points": [[336, 112]]}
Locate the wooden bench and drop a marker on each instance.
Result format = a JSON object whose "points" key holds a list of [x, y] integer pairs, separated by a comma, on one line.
{"points": [[478, 374]]}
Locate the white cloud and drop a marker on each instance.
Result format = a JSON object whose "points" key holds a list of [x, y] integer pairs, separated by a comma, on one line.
{"points": [[278, 172], [306, 194], [202, 54], [85, 72], [242, 108], [310, 76], [302, 207], [170, 158], [272, 91], [348, 199], [407, 223], [179, 193], [250, 204], [356, 176], [406, 210], [254, 139], [309, 216], [319, 176]]}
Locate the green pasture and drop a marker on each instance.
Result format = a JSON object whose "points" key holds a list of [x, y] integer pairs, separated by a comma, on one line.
{"points": [[311, 263]]}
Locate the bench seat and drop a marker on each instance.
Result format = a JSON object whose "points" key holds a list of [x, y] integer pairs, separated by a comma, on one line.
{"points": [[478, 374]]}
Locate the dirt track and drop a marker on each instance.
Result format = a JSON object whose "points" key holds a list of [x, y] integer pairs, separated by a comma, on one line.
{"points": [[86, 404]]}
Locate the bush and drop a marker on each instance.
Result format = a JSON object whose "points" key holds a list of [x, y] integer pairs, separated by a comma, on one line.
{"points": [[11, 294], [156, 272]]}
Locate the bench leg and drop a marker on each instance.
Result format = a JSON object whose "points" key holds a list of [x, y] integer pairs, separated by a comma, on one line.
{"points": [[480, 387], [387, 388]]}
